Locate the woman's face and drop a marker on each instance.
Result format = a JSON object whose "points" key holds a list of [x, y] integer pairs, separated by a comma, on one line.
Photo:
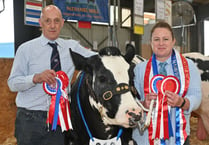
{"points": [[162, 43]]}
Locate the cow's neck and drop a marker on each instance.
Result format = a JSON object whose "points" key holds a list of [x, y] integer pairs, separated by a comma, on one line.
{"points": [[95, 123], [93, 119]]}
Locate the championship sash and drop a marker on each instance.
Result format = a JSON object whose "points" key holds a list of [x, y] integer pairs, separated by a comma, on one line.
{"points": [[160, 128]]}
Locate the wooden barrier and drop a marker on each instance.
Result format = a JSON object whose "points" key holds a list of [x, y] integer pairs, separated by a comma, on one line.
{"points": [[7, 103]]}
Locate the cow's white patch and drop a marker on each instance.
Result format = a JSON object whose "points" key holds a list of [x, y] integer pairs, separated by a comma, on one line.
{"points": [[118, 66], [196, 55], [128, 104], [138, 59]]}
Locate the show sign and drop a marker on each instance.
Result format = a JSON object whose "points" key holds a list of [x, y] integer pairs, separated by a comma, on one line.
{"points": [[84, 10]]}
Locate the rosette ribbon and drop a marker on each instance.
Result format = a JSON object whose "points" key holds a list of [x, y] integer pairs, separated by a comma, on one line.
{"points": [[162, 128], [59, 110]]}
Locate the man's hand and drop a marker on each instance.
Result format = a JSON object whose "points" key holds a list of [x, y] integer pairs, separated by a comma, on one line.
{"points": [[47, 76]]}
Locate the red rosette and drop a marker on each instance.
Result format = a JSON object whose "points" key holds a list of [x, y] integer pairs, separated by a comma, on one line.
{"points": [[170, 83], [156, 83], [64, 78], [62, 81]]}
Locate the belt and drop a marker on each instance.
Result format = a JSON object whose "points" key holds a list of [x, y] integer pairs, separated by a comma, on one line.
{"points": [[33, 112]]}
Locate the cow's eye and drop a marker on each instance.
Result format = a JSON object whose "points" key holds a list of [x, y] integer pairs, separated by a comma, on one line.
{"points": [[102, 79]]}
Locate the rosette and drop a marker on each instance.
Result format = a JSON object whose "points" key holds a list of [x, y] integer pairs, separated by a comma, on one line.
{"points": [[162, 128], [59, 110]]}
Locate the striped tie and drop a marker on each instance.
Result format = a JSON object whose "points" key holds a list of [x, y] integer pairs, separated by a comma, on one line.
{"points": [[55, 59], [162, 69]]}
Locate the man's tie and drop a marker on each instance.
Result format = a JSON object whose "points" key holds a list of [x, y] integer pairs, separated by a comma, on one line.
{"points": [[162, 69], [55, 59]]}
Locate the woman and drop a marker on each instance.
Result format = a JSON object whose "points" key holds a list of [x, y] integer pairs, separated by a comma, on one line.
{"points": [[176, 93]]}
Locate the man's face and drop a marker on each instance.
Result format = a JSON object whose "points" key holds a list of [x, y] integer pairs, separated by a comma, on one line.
{"points": [[51, 23]]}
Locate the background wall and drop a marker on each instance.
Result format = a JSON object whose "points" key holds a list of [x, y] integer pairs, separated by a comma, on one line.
{"points": [[97, 33]]}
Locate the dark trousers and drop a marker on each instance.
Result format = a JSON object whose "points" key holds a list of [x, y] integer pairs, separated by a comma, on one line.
{"points": [[187, 141], [31, 129]]}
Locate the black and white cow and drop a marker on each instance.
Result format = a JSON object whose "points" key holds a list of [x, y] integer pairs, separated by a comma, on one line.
{"points": [[103, 106], [202, 63]]}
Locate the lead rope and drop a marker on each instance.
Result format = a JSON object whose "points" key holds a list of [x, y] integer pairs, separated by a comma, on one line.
{"points": [[81, 112], [79, 107]]}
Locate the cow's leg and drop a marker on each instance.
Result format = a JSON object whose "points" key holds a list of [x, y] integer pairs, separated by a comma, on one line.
{"points": [[201, 131], [203, 112]]}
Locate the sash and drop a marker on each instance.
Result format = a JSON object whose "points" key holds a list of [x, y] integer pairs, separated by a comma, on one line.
{"points": [[59, 110], [160, 129]]}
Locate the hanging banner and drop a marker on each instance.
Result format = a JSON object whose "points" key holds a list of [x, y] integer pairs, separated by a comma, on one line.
{"points": [[139, 17], [84, 10], [33, 10], [168, 11], [160, 9], [139, 7]]}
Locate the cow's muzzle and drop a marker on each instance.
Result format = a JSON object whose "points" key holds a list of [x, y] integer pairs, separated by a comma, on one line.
{"points": [[134, 116]]}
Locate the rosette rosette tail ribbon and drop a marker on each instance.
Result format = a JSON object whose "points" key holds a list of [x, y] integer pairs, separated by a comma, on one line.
{"points": [[59, 110], [162, 128]]}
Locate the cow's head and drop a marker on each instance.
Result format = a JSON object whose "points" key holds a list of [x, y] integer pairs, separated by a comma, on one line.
{"points": [[108, 80]]}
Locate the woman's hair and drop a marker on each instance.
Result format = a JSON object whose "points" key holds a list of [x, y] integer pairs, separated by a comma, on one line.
{"points": [[162, 24]]}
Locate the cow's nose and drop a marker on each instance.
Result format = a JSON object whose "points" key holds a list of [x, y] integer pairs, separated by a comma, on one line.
{"points": [[133, 116]]}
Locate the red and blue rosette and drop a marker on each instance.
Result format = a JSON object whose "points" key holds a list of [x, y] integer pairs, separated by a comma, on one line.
{"points": [[159, 84], [155, 82], [59, 110]]}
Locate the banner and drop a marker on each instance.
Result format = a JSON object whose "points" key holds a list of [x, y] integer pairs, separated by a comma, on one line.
{"points": [[139, 17], [160, 9], [32, 12], [84, 10]]}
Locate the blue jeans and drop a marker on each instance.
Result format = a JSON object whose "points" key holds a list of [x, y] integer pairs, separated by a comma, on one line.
{"points": [[31, 129]]}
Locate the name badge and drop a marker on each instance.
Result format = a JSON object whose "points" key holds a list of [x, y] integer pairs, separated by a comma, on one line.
{"points": [[113, 141]]}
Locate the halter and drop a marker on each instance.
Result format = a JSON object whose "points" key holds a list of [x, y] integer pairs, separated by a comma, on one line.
{"points": [[107, 95]]}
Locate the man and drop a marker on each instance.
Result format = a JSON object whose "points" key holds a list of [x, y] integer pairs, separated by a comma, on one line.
{"points": [[30, 69]]}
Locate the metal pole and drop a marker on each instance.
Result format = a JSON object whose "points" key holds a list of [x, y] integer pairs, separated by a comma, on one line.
{"points": [[109, 27], [114, 26]]}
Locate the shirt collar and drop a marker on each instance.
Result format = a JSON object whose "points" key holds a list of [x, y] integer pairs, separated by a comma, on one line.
{"points": [[44, 40], [168, 61]]}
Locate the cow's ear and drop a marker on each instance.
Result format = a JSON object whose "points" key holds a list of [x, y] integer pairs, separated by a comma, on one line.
{"points": [[94, 62], [85, 63], [78, 60], [130, 53]]}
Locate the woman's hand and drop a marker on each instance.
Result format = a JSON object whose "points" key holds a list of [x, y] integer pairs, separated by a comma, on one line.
{"points": [[174, 100]]}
